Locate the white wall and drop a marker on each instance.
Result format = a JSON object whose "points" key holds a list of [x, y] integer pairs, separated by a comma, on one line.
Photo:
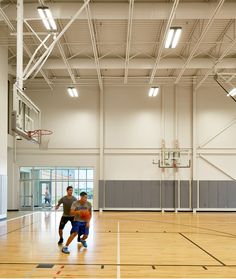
{"points": [[134, 127], [74, 121], [132, 119], [216, 131]]}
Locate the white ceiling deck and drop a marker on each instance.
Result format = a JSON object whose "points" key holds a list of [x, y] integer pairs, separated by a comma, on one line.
{"points": [[121, 42]]}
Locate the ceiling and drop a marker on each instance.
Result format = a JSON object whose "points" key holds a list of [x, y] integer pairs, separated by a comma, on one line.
{"points": [[115, 42]]}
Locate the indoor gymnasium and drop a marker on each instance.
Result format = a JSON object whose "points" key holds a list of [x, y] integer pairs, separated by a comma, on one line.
{"points": [[117, 139]]}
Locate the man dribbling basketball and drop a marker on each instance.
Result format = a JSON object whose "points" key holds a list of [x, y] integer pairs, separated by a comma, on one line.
{"points": [[82, 210]]}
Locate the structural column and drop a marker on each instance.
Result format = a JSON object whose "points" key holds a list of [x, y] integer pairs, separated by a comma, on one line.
{"points": [[3, 130]]}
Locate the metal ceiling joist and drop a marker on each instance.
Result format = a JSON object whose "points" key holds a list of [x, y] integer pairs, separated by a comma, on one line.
{"points": [[41, 71], [38, 65], [219, 40], [189, 40], [94, 46], [128, 40], [35, 35], [205, 30], [210, 71], [226, 51], [161, 46], [7, 20], [10, 25], [67, 45], [32, 58], [143, 11], [139, 63], [65, 61], [19, 47]]}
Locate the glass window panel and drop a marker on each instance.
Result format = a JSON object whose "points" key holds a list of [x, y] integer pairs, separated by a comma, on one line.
{"points": [[25, 173], [65, 185], [53, 193], [26, 194], [56, 180], [90, 194], [45, 174], [62, 174], [53, 174], [59, 190], [37, 194], [73, 174], [82, 173], [90, 184], [75, 186], [82, 185], [90, 174], [42, 172]]}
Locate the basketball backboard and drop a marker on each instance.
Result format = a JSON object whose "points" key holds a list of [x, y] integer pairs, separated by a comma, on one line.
{"points": [[174, 158], [26, 116]]}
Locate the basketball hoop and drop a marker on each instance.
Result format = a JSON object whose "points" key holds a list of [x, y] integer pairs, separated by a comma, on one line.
{"points": [[41, 136]]}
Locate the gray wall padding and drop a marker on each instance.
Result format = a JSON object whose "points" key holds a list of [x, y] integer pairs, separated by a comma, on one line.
{"points": [[129, 194], [164, 194], [217, 194], [184, 194], [168, 193]]}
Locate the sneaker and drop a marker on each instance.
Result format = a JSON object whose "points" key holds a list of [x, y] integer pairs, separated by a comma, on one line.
{"points": [[84, 243], [60, 241], [65, 250], [78, 239]]}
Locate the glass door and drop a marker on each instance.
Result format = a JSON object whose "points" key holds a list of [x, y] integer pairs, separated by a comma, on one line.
{"points": [[26, 195], [45, 193]]}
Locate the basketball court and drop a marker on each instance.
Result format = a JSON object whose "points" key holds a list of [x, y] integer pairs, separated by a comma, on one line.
{"points": [[133, 104], [122, 245]]}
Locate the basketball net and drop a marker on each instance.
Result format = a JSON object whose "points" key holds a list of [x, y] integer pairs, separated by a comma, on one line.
{"points": [[42, 136]]}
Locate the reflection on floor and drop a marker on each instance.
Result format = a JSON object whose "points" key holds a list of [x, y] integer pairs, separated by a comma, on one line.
{"points": [[121, 245]]}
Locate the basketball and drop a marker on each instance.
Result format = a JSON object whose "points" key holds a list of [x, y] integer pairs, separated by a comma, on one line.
{"points": [[84, 214]]}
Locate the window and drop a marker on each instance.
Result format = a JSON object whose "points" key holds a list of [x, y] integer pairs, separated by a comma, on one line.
{"points": [[55, 180]]}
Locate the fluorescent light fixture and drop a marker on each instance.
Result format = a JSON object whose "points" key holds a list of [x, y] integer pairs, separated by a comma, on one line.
{"points": [[153, 91], [72, 91], [173, 37], [47, 18], [232, 92]]}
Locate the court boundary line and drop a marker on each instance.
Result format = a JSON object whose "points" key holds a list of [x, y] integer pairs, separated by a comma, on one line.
{"points": [[184, 225], [208, 253], [15, 218], [114, 264], [123, 277], [118, 251]]}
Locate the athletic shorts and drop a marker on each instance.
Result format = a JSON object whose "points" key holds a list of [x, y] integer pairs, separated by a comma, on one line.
{"points": [[64, 220], [80, 228]]}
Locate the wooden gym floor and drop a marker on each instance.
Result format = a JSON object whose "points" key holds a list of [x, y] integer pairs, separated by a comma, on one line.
{"points": [[122, 245]]}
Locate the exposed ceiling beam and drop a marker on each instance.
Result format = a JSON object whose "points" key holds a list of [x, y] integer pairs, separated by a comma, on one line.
{"points": [[210, 71], [38, 84], [94, 46], [139, 63], [66, 44], [63, 55], [219, 39], [40, 62], [151, 10], [161, 45], [197, 44], [7, 20], [128, 39]]}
